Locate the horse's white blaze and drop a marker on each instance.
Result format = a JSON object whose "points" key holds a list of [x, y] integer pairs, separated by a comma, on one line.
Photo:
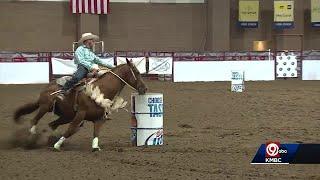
{"points": [[33, 129], [58, 144], [95, 143]]}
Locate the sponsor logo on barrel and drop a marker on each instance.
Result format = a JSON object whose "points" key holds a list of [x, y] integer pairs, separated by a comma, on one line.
{"points": [[155, 105], [155, 138], [237, 81]]}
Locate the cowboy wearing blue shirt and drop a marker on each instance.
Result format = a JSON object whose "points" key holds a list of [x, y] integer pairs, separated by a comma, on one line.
{"points": [[86, 61]]}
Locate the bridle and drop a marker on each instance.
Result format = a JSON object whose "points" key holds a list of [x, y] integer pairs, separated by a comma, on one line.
{"points": [[135, 78], [121, 79]]}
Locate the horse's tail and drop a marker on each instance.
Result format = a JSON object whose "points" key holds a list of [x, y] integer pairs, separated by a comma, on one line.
{"points": [[25, 109]]}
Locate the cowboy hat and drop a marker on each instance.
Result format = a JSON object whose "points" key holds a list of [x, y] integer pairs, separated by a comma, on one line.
{"points": [[87, 36]]}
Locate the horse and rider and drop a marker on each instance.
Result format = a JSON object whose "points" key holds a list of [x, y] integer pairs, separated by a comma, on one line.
{"points": [[91, 101], [86, 62]]}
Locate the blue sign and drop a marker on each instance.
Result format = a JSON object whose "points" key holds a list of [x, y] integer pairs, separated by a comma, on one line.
{"points": [[283, 25], [155, 107], [248, 24], [276, 153]]}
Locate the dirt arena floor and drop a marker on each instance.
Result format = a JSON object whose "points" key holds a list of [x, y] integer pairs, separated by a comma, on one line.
{"points": [[210, 133]]}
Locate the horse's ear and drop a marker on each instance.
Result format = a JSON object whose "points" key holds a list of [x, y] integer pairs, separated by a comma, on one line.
{"points": [[128, 62]]}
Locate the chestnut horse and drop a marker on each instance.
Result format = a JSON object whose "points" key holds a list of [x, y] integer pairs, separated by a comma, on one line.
{"points": [[87, 108]]}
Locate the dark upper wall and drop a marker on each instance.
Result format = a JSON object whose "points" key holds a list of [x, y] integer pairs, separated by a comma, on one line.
{"points": [[218, 25], [161, 27], [241, 39], [49, 26], [311, 35], [36, 26]]}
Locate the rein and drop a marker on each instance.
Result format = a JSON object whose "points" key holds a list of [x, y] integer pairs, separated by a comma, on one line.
{"points": [[121, 79]]}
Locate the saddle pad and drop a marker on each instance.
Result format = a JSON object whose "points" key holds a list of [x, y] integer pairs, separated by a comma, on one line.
{"points": [[62, 81]]}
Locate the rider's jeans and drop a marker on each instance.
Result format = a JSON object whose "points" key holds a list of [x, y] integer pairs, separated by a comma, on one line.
{"points": [[77, 76]]}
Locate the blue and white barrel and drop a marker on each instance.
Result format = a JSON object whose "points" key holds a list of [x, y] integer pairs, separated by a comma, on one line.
{"points": [[237, 81], [147, 119]]}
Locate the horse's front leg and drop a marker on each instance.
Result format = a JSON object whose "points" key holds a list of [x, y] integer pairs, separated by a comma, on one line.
{"points": [[55, 135], [97, 127], [73, 127]]}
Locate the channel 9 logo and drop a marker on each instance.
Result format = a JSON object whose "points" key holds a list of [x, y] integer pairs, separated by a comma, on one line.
{"points": [[274, 152]]}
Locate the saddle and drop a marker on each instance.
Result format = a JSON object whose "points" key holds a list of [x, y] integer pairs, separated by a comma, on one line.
{"points": [[82, 84], [87, 80]]}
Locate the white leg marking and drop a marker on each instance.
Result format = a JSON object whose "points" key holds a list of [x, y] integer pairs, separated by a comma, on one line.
{"points": [[95, 143], [33, 129], [58, 144]]}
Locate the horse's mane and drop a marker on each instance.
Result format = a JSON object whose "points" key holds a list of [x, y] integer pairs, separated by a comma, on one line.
{"points": [[113, 69], [117, 67]]}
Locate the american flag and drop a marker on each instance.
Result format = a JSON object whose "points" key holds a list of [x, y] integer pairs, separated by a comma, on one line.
{"points": [[90, 6]]}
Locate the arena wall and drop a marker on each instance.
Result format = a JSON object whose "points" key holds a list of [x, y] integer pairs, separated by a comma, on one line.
{"points": [[191, 71], [24, 73], [241, 39], [36, 26], [49, 26], [157, 27]]}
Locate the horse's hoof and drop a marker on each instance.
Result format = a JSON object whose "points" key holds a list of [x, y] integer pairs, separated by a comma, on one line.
{"points": [[96, 149], [108, 119], [56, 149]]}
